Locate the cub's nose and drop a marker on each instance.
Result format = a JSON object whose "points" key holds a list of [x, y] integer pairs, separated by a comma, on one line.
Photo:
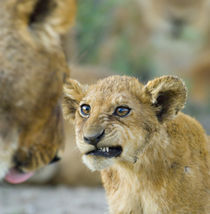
{"points": [[93, 140]]}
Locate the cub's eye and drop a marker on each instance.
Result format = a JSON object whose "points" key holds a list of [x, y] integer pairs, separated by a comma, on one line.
{"points": [[122, 111], [85, 110]]}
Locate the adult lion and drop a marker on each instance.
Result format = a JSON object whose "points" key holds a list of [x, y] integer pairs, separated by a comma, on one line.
{"points": [[32, 70]]}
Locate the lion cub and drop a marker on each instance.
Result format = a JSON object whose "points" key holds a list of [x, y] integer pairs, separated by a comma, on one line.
{"points": [[153, 159]]}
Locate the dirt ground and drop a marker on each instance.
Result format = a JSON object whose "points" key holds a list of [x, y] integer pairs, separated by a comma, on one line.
{"points": [[51, 200]]}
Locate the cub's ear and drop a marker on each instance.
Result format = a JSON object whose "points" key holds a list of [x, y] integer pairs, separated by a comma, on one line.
{"points": [[73, 92], [168, 95]]}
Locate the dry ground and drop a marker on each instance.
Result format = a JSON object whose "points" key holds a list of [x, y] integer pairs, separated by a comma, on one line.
{"points": [[51, 200]]}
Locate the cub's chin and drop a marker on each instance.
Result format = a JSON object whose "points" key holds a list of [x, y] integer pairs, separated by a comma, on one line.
{"points": [[97, 163]]}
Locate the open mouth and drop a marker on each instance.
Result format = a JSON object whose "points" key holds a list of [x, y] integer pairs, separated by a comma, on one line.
{"points": [[107, 152], [15, 177]]}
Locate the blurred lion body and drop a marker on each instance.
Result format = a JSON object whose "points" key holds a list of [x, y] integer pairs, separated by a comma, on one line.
{"points": [[200, 75], [32, 70], [178, 31], [171, 34], [170, 14]]}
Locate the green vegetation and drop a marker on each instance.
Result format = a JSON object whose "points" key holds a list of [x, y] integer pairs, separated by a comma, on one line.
{"points": [[95, 27], [93, 21]]}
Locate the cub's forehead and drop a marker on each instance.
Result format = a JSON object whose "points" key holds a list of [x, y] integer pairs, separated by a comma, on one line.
{"points": [[116, 83], [114, 88]]}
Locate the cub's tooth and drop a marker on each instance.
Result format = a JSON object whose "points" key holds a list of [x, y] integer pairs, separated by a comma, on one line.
{"points": [[107, 149], [104, 149]]}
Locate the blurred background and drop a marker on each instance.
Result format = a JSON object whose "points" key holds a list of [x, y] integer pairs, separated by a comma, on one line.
{"points": [[142, 38]]}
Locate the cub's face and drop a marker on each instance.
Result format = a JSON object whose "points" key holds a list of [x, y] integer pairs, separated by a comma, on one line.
{"points": [[114, 119], [107, 126]]}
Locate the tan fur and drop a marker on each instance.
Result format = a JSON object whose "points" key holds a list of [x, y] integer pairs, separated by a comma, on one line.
{"points": [[200, 75], [163, 167], [32, 70]]}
